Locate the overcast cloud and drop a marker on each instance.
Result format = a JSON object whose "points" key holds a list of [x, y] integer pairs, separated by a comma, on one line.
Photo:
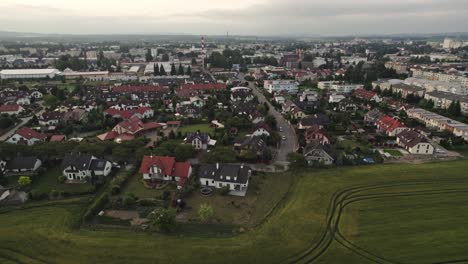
{"points": [[240, 17]]}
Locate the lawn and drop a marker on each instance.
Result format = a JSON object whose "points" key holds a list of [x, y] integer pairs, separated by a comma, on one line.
{"points": [[136, 187], [198, 127], [265, 191], [403, 213], [48, 181], [393, 152]]}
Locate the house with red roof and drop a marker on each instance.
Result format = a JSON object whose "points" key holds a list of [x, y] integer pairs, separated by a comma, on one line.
{"points": [[57, 138], [366, 95], [159, 168], [316, 133], [26, 136], [390, 126], [129, 129], [140, 112], [261, 128], [13, 109], [204, 86]]}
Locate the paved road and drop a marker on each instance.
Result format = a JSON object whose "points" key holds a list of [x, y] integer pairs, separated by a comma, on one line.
{"points": [[290, 143], [19, 125]]}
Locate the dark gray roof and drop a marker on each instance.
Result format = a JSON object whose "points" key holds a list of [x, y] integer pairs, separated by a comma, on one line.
{"points": [[21, 163], [204, 137], [210, 171], [78, 161], [98, 164]]}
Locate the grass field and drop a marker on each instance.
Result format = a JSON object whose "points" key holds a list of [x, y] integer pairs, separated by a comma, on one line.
{"points": [[48, 181], [198, 127], [136, 187], [372, 214], [263, 194], [393, 152]]}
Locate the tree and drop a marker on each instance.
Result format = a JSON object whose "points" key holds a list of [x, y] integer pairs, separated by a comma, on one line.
{"points": [[156, 69], [164, 220], [24, 181], [165, 57], [189, 71], [205, 212], [184, 152], [181, 70], [173, 69], [162, 71], [50, 100], [149, 57]]}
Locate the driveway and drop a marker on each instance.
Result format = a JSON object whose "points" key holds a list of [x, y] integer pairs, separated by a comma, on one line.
{"points": [[18, 126]]}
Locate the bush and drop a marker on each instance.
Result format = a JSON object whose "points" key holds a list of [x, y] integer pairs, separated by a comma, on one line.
{"points": [[37, 196], [62, 179], [115, 189], [129, 200], [224, 190], [97, 206]]}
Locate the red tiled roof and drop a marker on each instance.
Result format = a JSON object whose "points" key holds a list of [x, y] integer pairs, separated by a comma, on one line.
{"points": [[362, 93], [126, 113], [57, 138], [28, 133], [151, 125], [145, 88], [108, 136], [389, 124], [181, 169], [166, 164], [204, 86], [9, 108]]}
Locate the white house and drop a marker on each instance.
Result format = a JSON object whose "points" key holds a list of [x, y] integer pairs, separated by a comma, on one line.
{"points": [[81, 166], [27, 136], [272, 86], [414, 143], [234, 177]]}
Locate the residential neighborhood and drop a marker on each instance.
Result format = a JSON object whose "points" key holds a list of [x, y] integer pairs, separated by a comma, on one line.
{"points": [[274, 131]]}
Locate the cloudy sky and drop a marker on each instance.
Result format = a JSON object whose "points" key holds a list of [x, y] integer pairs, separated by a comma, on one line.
{"points": [[240, 17]]}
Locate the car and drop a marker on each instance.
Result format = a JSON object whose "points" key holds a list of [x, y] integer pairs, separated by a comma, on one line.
{"points": [[281, 129], [284, 137]]}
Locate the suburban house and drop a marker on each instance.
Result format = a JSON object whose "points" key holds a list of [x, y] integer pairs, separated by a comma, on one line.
{"points": [[158, 168], [256, 117], [234, 177], [316, 133], [373, 116], [13, 109], [49, 118], [243, 94], [81, 166], [12, 196], [129, 129], [319, 120], [140, 112], [390, 126], [22, 166], [199, 140], [367, 95], [317, 154], [260, 129], [26, 136], [414, 142]]}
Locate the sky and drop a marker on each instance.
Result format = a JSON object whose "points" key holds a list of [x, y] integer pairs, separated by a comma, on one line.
{"points": [[238, 17]]}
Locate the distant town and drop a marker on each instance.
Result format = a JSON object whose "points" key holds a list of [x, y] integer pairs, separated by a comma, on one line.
{"points": [[164, 135]]}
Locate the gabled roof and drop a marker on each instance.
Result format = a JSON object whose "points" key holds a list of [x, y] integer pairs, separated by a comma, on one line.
{"points": [[389, 124], [57, 138], [78, 161], [204, 86], [166, 164], [362, 93], [17, 163], [220, 172], [9, 108], [411, 138], [145, 88], [263, 125], [28, 133], [202, 136]]}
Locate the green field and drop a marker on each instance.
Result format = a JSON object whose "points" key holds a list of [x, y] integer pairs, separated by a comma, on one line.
{"points": [[393, 152], [198, 127], [48, 181], [373, 214]]}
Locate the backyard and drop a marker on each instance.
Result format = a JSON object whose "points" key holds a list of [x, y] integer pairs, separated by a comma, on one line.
{"points": [[48, 181], [198, 127]]}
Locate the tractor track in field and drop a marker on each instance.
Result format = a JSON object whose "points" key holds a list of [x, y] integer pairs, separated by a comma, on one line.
{"points": [[7, 253], [344, 197]]}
